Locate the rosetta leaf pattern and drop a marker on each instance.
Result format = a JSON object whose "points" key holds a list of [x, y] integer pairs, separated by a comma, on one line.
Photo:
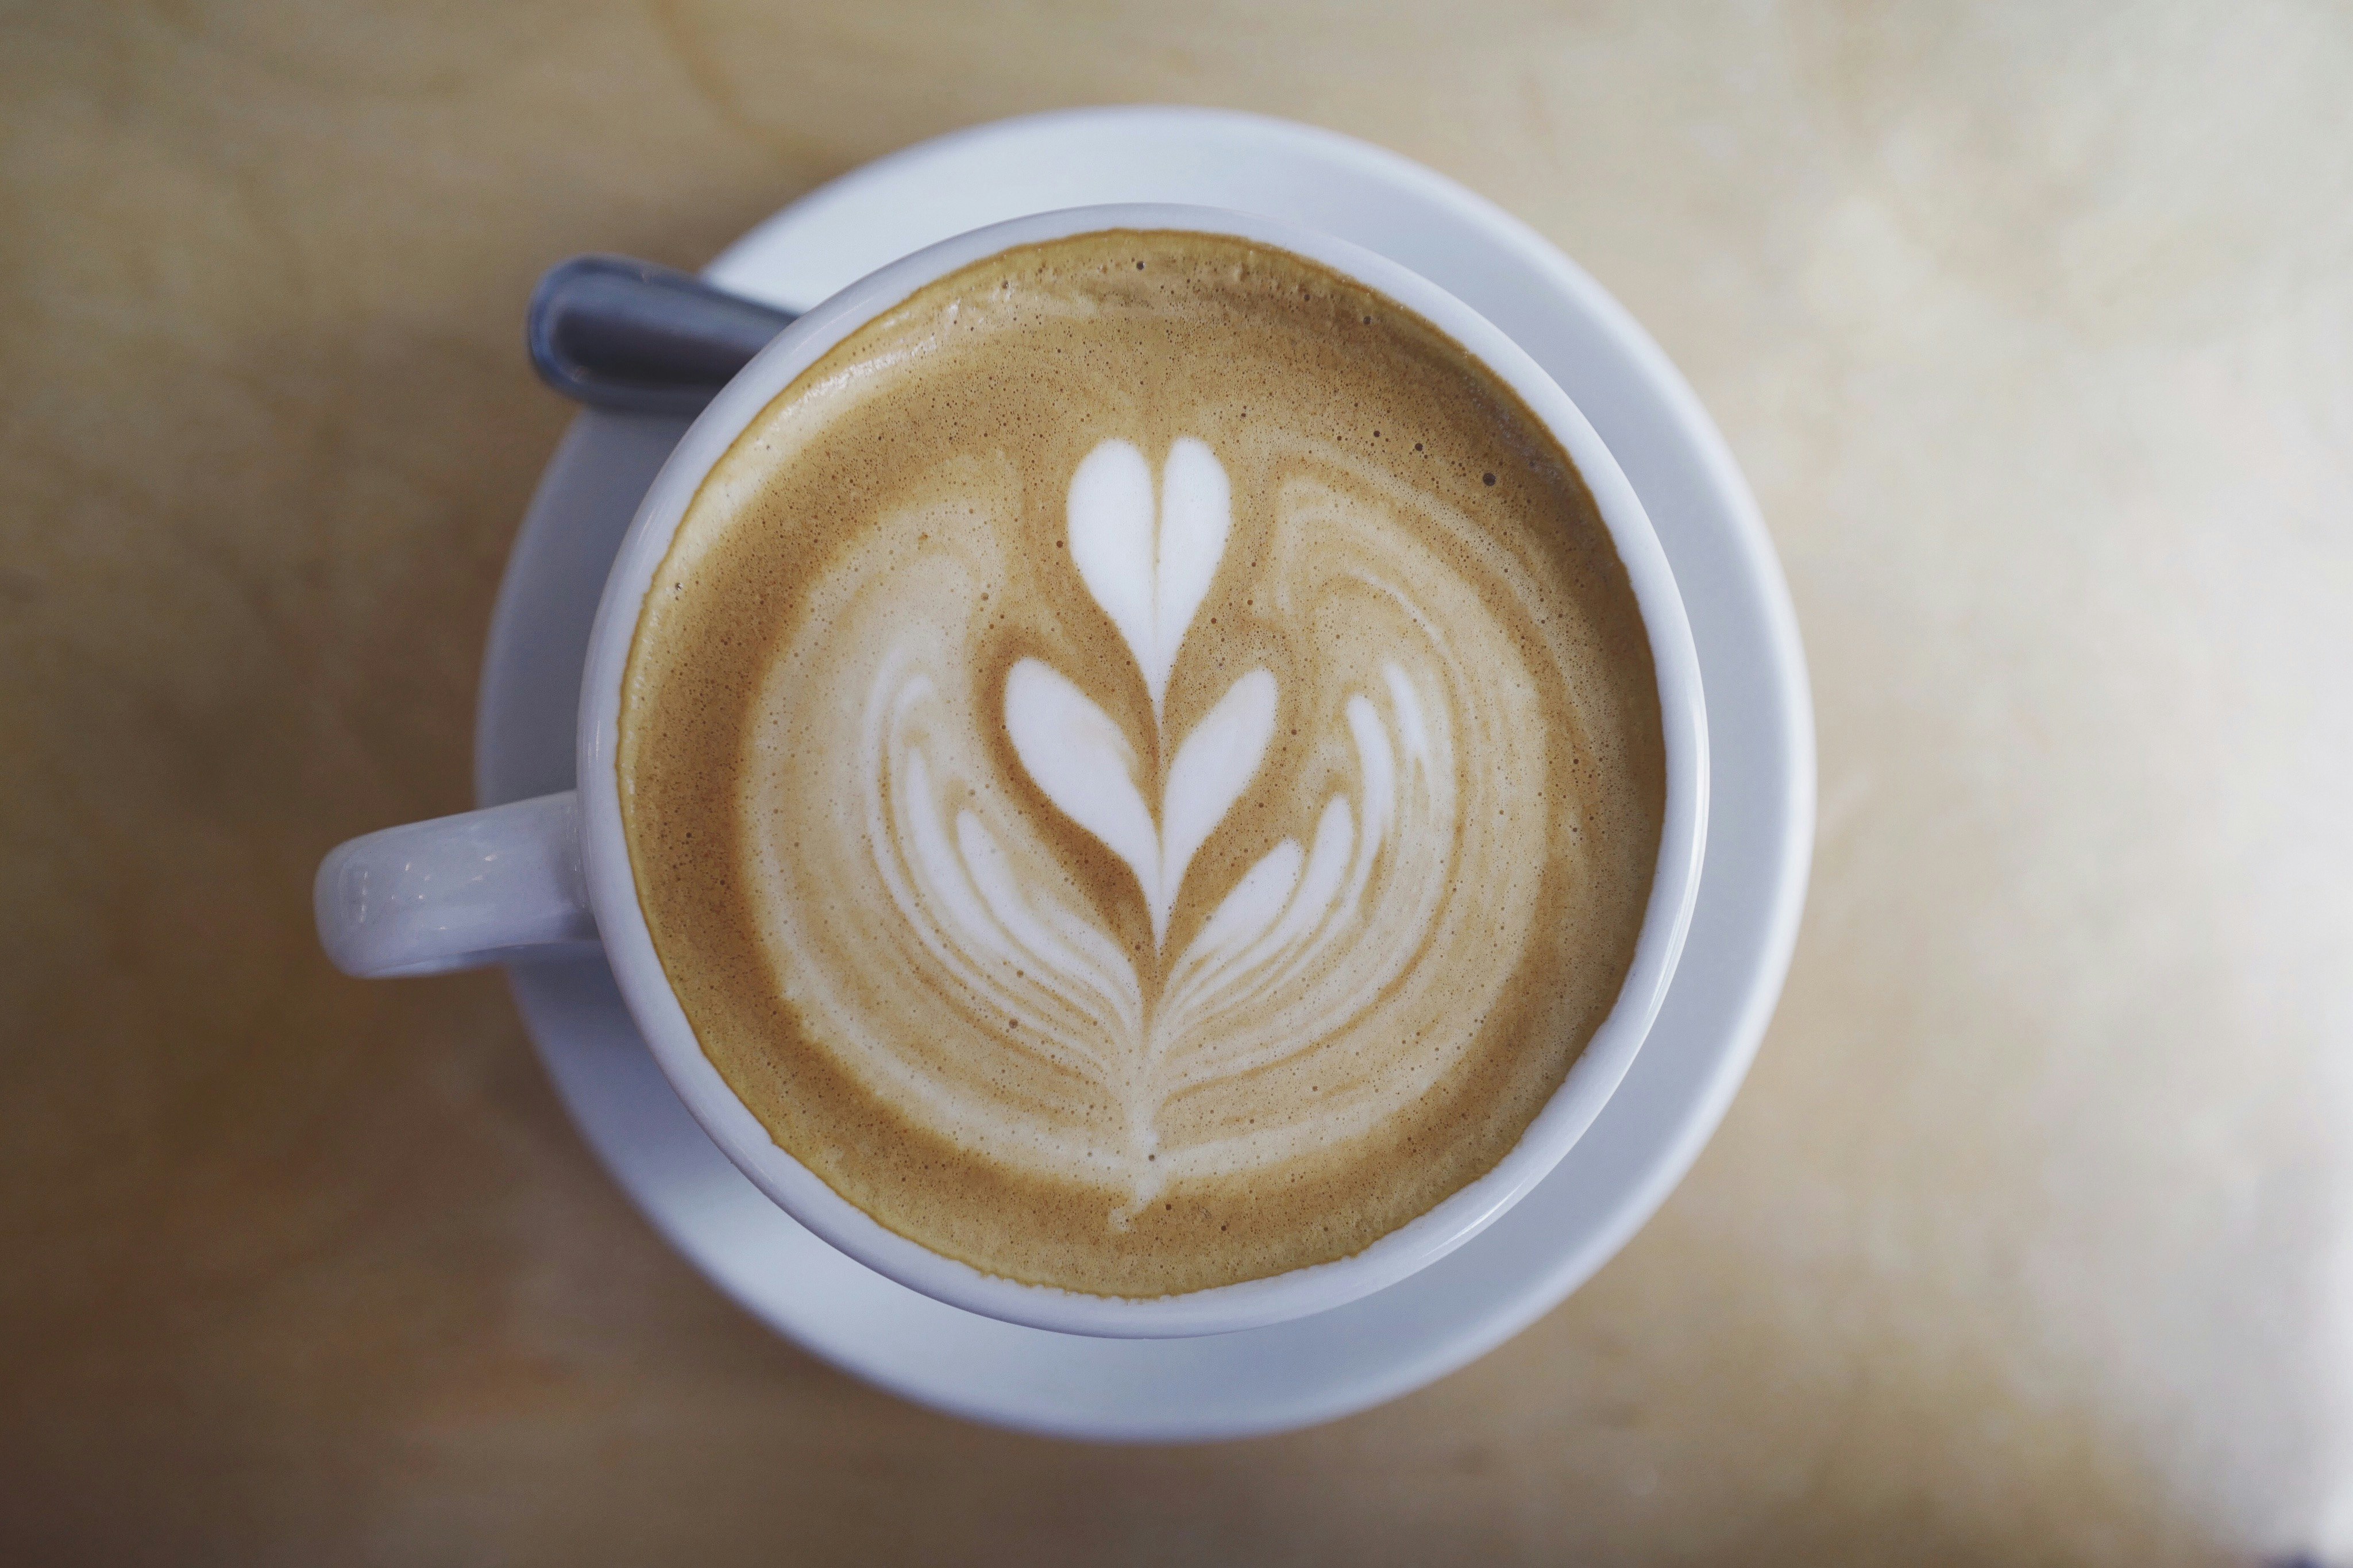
{"points": [[1307, 939]]}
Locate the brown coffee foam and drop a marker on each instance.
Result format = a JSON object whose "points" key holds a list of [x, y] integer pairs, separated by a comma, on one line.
{"points": [[984, 391]]}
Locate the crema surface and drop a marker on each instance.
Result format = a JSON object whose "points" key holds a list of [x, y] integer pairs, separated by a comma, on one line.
{"points": [[1143, 766]]}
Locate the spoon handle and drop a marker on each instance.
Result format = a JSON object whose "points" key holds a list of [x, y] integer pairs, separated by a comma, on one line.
{"points": [[613, 332]]}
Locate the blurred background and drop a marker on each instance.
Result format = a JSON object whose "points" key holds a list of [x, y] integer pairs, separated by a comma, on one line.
{"points": [[2030, 1239]]}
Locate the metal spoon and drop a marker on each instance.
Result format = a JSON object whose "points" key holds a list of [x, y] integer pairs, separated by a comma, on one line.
{"points": [[617, 334]]}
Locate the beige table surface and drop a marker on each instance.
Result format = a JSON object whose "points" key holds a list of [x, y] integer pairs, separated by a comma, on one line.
{"points": [[2031, 1240]]}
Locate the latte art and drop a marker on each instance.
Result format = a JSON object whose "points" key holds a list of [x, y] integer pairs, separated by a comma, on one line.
{"points": [[1303, 946], [1142, 766]]}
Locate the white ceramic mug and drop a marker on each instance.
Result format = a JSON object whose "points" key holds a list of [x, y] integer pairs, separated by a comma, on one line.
{"points": [[552, 874]]}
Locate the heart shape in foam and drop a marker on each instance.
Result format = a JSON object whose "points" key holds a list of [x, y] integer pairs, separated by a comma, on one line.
{"points": [[1150, 567]]}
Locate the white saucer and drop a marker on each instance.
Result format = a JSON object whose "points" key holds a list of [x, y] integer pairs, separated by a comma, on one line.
{"points": [[1759, 840]]}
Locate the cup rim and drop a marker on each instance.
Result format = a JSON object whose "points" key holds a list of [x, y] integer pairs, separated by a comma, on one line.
{"points": [[1298, 1292]]}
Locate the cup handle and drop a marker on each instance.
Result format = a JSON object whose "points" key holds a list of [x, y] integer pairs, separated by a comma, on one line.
{"points": [[458, 892]]}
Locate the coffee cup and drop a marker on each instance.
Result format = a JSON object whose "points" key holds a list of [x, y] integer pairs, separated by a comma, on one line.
{"points": [[557, 873]]}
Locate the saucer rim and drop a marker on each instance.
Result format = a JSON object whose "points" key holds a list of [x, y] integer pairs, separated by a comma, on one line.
{"points": [[1469, 1330]]}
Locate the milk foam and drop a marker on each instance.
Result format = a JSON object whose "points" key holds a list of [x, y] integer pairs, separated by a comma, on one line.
{"points": [[1142, 778], [1301, 946], [1345, 931]]}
